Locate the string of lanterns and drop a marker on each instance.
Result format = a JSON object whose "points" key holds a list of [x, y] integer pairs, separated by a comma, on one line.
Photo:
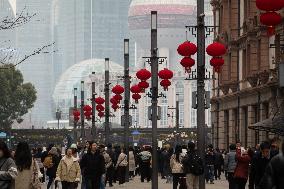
{"points": [[115, 100]]}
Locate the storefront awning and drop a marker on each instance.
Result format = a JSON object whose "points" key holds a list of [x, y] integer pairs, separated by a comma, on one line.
{"points": [[273, 125]]}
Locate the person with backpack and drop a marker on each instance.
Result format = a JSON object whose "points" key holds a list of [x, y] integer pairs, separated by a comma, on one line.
{"points": [[193, 167], [144, 164], [176, 166], [51, 163]]}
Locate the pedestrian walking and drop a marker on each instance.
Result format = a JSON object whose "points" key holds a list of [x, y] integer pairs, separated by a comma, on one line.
{"points": [[209, 164], [51, 163], [108, 163], [230, 164], [8, 169], [166, 163], [132, 163], [92, 167], [27, 168], [176, 166], [37, 157], [145, 164], [110, 167], [83, 152], [218, 163], [121, 166], [68, 171], [193, 167], [243, 158]]}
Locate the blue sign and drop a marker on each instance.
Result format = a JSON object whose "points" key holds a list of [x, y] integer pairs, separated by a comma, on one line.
{"points": [[3, 135]]}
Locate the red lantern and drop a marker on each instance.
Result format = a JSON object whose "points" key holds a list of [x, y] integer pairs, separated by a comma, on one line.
{"points": [[76, 113], [115, 107], [88, 113], [187, 49], [165, 83], [135, 89], [217, 63], [113, 101], [87, 108], [166, 74], [143, 74], [269, 5], [76, 118], [99, 100], [136, 97], [270, 19], [143, 84], [187, 63], [101, 114], [117, 89], [216, 49], [100, 108], [117, 97]]}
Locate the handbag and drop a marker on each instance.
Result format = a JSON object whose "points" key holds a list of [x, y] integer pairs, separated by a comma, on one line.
{"points": [[122, 161], [35, 182]]}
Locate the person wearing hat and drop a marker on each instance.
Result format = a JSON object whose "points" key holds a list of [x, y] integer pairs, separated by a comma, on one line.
{"points": [[74, 149]]}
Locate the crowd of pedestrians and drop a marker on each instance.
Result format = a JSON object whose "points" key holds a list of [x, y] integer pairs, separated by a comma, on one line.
{"points": [[95, 166]]}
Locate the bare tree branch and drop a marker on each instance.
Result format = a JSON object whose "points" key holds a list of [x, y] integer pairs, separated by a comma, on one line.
{"points": [[21, 18]]}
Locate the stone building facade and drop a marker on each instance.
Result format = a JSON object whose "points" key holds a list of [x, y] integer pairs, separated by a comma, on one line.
{"points": [[245, 92]]}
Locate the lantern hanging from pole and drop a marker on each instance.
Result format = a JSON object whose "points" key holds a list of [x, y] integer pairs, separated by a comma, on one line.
{"points": [[270, 19], [187, 49], [135, 89], [143, 74], [143, 85], [217, 63], [76, 113], [88, 113], [269, 5], [165, 74], [216, 49], [76, 118], [101, 114], [117, 97], [165, 83], [118, 89], [87, 108], [100, 108], [136, 97], [99, 100], [113, 101], [187, 63], [115, 107]]}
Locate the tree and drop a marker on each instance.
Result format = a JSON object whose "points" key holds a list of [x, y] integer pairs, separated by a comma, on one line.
{"points": [[16, 97]]}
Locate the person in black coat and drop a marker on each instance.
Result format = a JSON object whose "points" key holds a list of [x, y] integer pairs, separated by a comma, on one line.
{"points": [[209, 164], [51, 171], [93, 167], [274, 173], [218, 164]]}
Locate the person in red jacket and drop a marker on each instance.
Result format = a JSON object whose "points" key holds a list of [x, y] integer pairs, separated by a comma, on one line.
{"points": [[243, 158]]}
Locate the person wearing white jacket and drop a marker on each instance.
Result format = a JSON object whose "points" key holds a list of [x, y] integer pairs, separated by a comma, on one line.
{"points": [[121, 166]]}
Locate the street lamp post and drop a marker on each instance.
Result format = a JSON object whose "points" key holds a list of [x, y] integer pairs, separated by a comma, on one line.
{"points": [[58, 117], [107, 109], [75, 108], [93, 106], [82, 112], [154, 89], [126, 101]]}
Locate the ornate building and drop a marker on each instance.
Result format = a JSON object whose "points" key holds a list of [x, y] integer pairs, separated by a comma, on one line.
{"points": [[245, 91]]}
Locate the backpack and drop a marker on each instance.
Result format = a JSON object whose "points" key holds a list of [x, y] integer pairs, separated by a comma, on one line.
{"points": [[177, 167], [47, 163], [195, 165]]}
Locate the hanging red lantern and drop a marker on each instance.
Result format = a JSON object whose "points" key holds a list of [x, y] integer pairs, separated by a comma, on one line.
{"points": [[165, 83], [270, 19], [100, 108], [187, 63], [269, 5], [101, 114], [87, 108], [117, 97], [76, 113], [115, 107], [165, 74], [136, 97], [99, 100], [143, 84], [113, 101], [76, 118], [118, 89], [187, 49], [143, 74], [216, 49], [135, 89], [217, 63], [88, 113]]}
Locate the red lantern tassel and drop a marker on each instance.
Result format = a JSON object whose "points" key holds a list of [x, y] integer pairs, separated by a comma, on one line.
{"points": [[270, 31]]}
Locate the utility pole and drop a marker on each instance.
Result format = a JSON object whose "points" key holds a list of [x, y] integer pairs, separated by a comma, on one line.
{"points": [[75, 122], [177, 119], [154, 90], [94, 132], [126, 102], [82, 113], [201, 85], [107, 127]]}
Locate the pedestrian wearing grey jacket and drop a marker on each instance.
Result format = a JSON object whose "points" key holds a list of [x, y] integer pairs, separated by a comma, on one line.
{"points": [[230, 164]]}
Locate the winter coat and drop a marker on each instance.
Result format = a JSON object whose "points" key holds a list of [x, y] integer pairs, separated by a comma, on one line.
{"points": [[218, 159], [122, 160], [274, 174], [209, 158], [230, 162], [51, 172], [242, 168], [92, 165], [166, 166], [176, 167], [8, 172], [108, 160], [132, 165], [71, 175], [258, 166]]}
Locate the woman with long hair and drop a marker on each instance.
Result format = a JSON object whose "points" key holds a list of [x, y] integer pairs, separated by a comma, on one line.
{"points": [[176, 166], [8, 169], [27, 168]]}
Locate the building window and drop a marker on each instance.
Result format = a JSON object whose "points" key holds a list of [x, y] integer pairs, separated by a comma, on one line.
{"points": [[193, 118]]}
